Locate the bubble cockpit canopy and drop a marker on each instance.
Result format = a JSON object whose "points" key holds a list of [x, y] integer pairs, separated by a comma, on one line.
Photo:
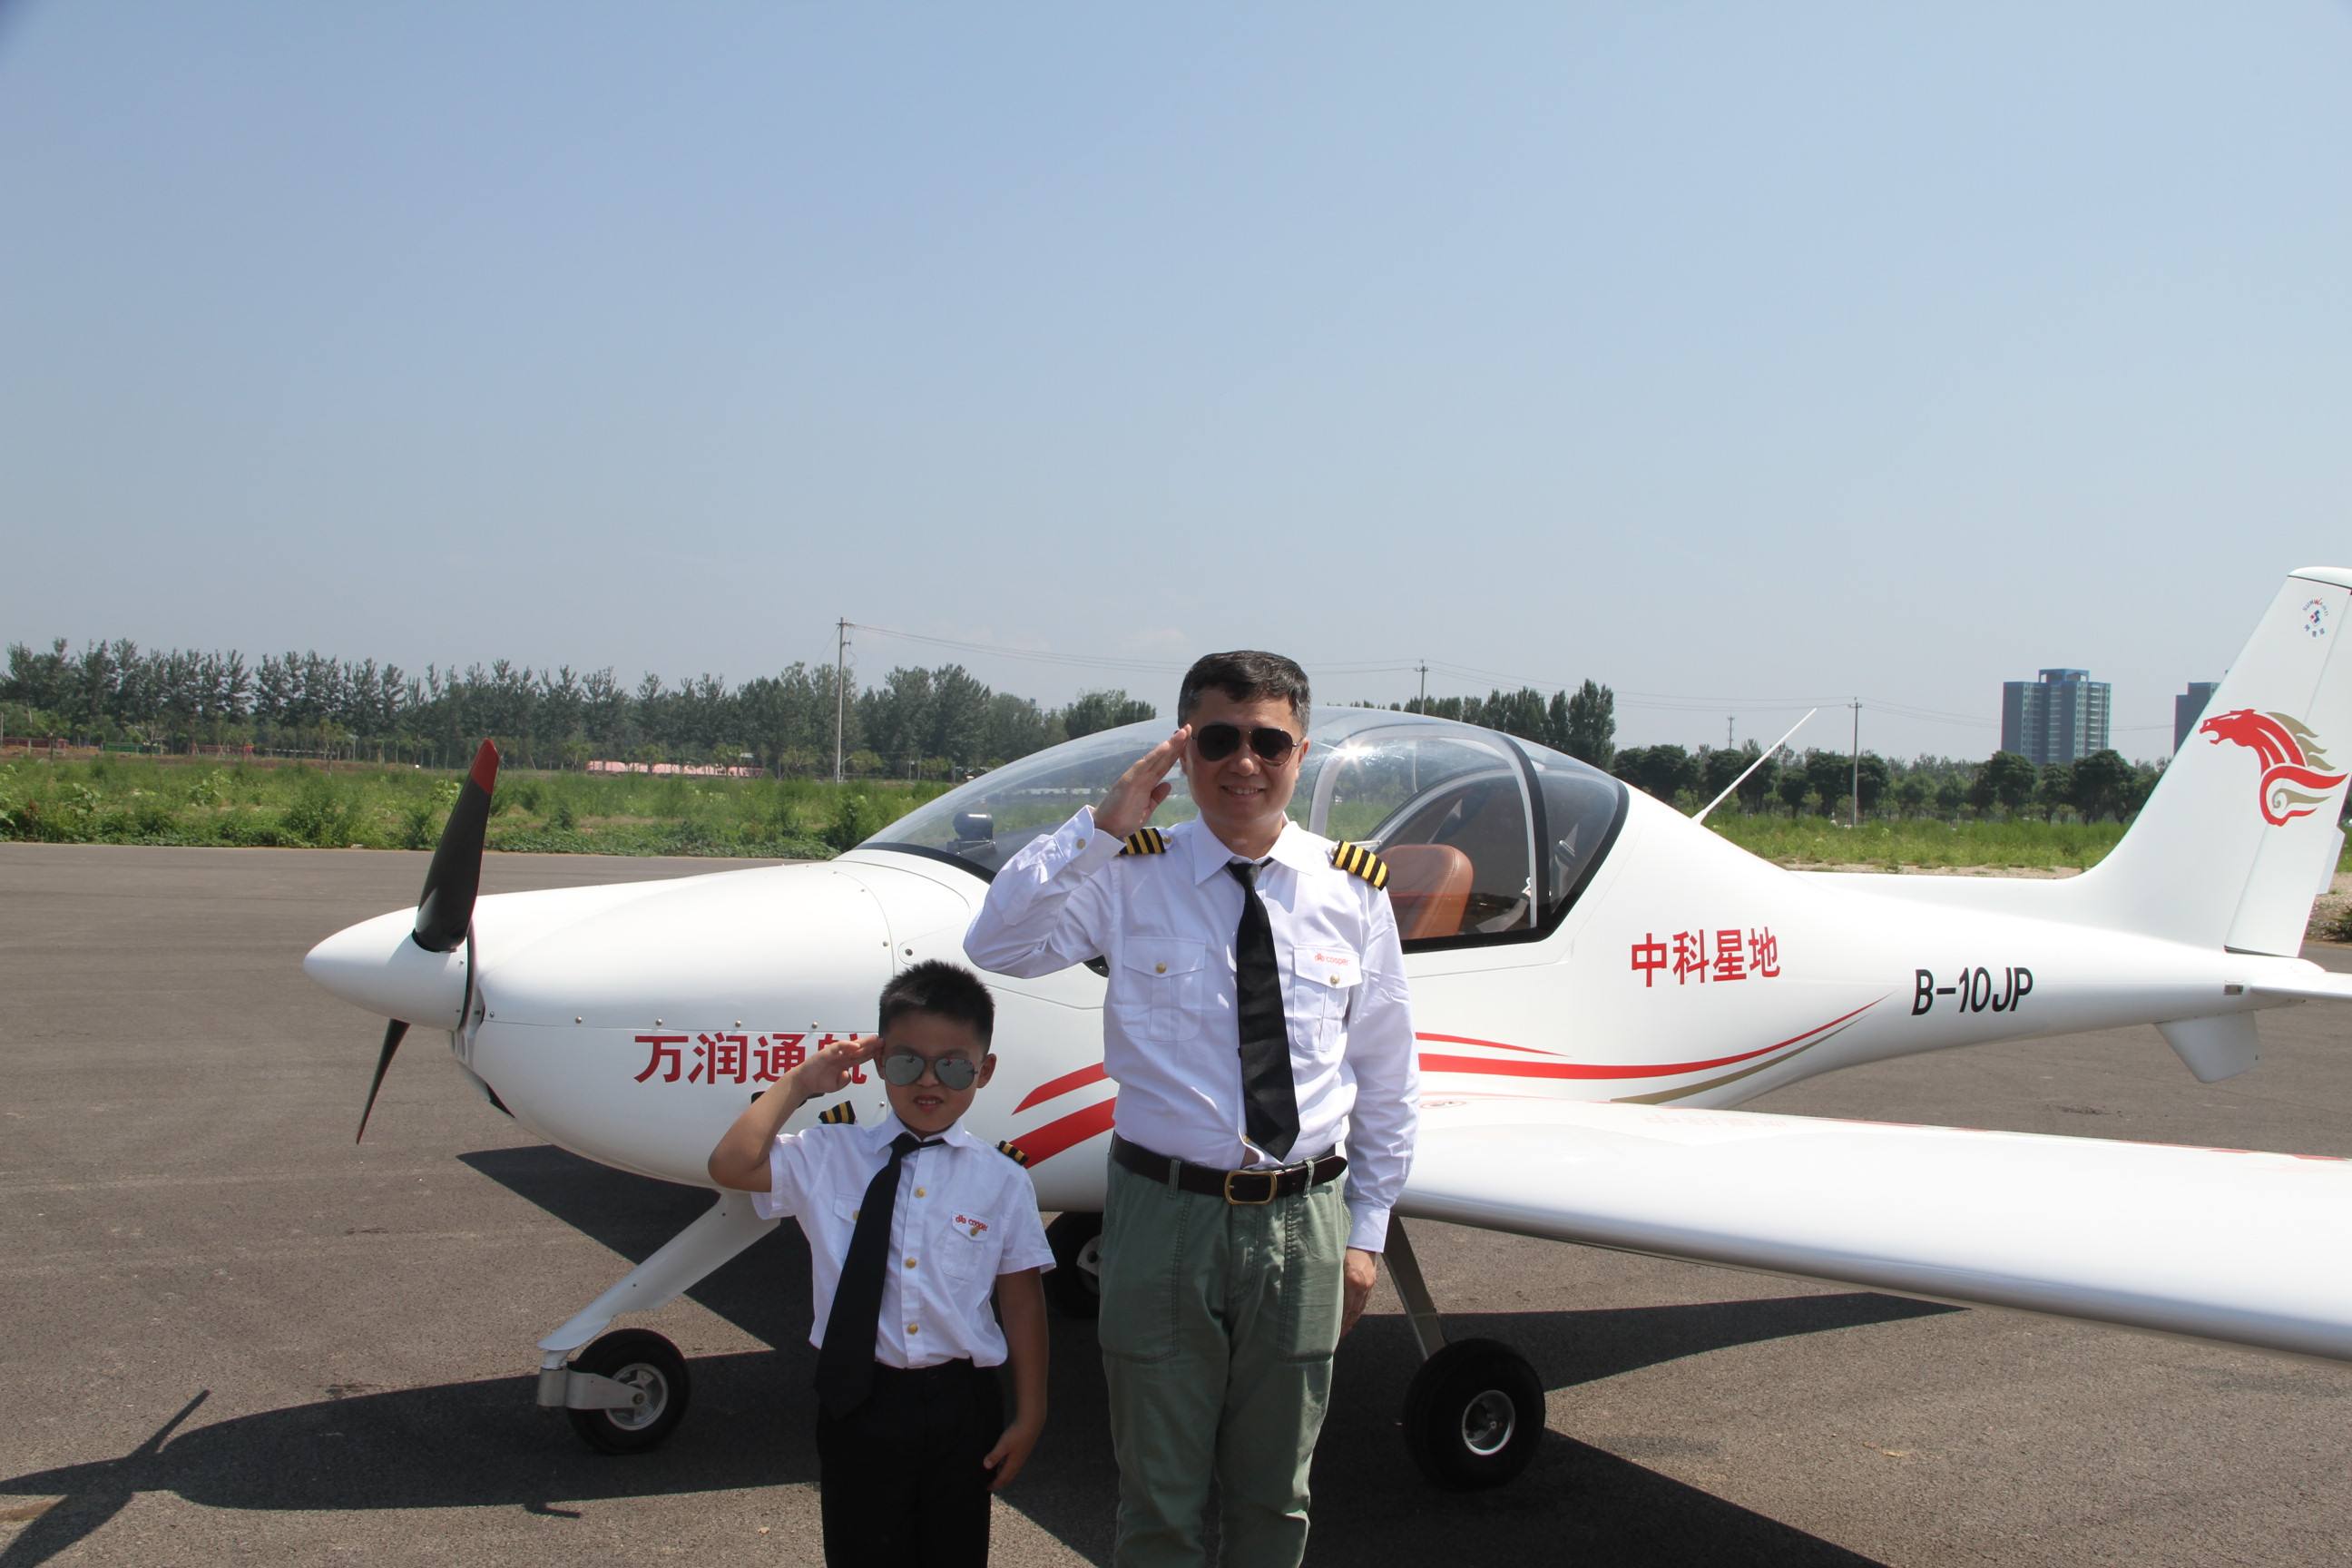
{"points": [[1488, 838]]}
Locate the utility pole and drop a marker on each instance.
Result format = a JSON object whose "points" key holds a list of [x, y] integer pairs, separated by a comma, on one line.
{"points": [[1856, 821], [1727, 729], [840, 691], [1424, 667]]}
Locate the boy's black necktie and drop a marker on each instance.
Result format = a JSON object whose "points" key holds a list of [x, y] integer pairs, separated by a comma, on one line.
{"points": [[844, 1361], [1269, 1095]]}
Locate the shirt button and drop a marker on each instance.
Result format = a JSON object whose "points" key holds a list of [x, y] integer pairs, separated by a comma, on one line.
{"points": [[911, 1263], [918, 1192], [1158, 969], [914, 1328]]}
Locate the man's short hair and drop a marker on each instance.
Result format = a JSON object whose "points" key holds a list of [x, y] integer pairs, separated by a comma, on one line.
{"points": [[1245, 675], [950, 990]]}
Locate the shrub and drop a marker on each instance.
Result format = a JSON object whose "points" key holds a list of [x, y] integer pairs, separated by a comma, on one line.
{"points": [[251, 829], [857, 817], [151, 816], [321, 814], [420, 827]]}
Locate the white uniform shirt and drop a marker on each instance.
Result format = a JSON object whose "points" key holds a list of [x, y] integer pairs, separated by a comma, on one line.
{"points": [[1171, 1035], [966, 1213]]}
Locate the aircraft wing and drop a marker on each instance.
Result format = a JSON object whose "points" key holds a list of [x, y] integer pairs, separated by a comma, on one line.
{"points": [[2248, 1248]]}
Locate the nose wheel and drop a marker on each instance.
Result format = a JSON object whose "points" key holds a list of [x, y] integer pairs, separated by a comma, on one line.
{"points": [[1474, 1414], [653, 1374]]}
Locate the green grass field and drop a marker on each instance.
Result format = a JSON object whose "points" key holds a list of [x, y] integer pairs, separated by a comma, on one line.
{"points": [[197, 800], [2027, 845]]}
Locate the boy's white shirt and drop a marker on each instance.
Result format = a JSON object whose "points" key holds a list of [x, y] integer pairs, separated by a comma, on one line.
{"points": [[966, 1213]]}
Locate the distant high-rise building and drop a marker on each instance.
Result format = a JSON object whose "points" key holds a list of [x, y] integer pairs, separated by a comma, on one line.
{"points": [[2061, 717], [2188, 707]]}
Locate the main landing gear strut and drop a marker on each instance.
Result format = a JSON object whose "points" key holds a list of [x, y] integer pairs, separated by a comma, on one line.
{"points": [[627, 1391], [1474, 1415]]}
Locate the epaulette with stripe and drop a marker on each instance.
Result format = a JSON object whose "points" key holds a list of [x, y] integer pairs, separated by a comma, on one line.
{"points": [[1359, 861], [1145, 841], [1013, 1151], [840, 1115]]}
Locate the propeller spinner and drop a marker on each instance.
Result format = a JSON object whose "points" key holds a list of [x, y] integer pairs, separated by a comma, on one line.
{"points": [[445, 911]]}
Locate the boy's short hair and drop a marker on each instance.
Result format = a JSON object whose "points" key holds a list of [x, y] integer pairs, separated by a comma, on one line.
{"points": [[1245, 675], [950, 990]]}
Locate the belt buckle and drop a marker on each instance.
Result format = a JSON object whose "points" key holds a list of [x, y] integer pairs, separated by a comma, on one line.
{"points": [[1271, 1184]]}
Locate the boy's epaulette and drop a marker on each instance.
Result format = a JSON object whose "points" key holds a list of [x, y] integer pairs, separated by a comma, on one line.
{"points": [[1145, 841], [840, 1115], [1359, 861], [1013, 1151]]}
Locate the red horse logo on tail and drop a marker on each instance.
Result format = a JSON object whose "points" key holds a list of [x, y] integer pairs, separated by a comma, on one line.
{"points": [[2291, 759]]}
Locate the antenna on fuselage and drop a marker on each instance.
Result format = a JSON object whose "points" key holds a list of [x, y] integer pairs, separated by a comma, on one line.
{"points": [[1751, 767]]}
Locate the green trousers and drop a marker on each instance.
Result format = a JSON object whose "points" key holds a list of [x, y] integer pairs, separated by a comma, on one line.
{"points": [[1218, 1323]]}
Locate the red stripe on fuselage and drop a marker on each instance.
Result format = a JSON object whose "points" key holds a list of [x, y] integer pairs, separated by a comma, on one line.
{"points": [[1053, 1087], [1067, 1133], [1431, 1062]]}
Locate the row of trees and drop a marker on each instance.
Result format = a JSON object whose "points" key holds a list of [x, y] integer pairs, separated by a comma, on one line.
{"points": [[928, 721], [1828, 783], [921, 720], [1832, 783]]}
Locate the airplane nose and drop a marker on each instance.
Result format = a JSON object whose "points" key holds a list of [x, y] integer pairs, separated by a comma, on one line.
{"points": [[377, 965]]}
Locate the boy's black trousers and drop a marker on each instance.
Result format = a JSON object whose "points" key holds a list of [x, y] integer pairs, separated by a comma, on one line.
{"points": [[902, 1482]]}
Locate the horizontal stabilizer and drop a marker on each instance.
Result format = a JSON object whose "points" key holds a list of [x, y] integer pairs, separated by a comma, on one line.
{"points": [[2217, 1244], [2317, 987]]}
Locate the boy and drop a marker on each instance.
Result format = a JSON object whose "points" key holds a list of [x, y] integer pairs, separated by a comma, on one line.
{"points": [[908, 1222]]}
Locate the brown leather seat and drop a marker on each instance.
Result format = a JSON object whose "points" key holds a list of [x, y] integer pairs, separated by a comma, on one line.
{"points": [[1429, 887]]}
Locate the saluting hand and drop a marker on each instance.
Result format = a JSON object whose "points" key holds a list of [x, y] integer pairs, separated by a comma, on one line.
{"points": [[1140, 789], [829, 1071]]}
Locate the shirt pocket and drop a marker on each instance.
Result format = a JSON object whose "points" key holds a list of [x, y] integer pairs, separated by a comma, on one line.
{"points": [[1157, 993], [1323, 978], [967, 1247], [840, 1221]]}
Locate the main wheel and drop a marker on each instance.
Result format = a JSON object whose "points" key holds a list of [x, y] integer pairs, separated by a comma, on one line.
{"points": [[648, 1362], [1075, 1287], [1474, 1415]]}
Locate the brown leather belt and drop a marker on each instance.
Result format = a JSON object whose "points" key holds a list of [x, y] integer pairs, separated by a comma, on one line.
{"points": [[1261, 1185]]}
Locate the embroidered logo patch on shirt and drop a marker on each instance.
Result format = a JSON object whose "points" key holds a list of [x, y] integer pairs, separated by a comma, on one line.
{"points": [[971, 1226]]}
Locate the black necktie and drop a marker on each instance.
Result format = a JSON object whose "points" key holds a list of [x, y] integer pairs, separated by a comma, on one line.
{"points": [[1269, 1097], [844, 1361]]}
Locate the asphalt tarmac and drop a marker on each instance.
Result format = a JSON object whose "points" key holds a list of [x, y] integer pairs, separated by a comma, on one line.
{"points": [[230, 1335]]}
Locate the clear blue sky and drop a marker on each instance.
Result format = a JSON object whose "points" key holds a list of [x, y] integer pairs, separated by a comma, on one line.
{"points": [[1734, 353]]}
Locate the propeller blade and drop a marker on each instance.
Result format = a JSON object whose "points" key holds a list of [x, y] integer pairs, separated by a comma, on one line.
{"points": [[447, 908], [391, 1037]]}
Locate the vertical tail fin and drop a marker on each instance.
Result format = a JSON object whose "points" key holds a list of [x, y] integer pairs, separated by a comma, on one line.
{"points": [[2241, 835]]}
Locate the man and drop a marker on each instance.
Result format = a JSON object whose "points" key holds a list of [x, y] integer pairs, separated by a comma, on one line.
{"points": [[1256, 1017]]}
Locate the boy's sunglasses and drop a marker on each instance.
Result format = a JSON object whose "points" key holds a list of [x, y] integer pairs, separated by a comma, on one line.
{"points": [[1218, 741], [905, 1068]]}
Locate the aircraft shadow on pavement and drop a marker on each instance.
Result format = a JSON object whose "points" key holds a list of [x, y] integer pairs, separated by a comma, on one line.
{"points": [[486, 1443]]}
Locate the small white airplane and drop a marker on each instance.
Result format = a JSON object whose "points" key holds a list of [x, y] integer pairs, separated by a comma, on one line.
{"points": [[1595, 977]]}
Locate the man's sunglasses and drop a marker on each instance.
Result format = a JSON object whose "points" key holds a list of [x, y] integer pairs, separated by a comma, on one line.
{"points": [[1218, 741], [905, 1068]]}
